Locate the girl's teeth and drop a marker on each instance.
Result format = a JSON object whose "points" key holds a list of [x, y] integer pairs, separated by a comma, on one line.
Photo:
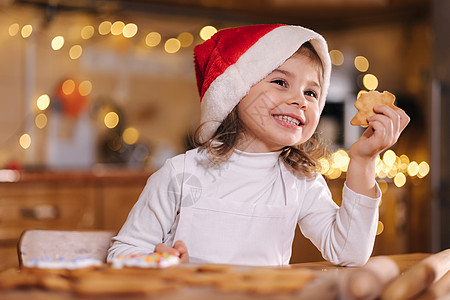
{"points": [[287, 119]]}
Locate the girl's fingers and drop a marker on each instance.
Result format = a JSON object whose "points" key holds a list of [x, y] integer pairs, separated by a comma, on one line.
{"points": [[161, 248], [179, 249], [397, 115], [404, 118], [182, 249]]}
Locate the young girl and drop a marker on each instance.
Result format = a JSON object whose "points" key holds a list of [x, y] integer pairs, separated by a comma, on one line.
{"points": [[238, 197]]}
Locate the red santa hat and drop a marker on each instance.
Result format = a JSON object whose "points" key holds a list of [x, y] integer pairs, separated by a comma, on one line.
{"points": [[229, 63]]}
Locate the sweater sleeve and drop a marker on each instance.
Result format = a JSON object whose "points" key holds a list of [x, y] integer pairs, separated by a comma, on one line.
{"points": [[152, 217], [344, 235]]}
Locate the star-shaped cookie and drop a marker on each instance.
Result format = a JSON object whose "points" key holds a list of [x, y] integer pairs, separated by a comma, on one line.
{"points": [[366, 102]]}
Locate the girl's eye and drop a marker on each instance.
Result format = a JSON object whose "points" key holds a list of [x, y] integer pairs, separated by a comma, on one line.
{"points": [[311, 94], [280, 82]]}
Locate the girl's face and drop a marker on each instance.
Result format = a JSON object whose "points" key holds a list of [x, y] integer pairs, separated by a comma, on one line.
{"points": [[283, 108]]}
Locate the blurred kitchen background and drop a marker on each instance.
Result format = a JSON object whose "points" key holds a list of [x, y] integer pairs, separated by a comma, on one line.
{"points": [[95, 95]]}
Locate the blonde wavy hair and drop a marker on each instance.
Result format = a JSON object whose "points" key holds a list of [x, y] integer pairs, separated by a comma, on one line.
{"points": [[303, 159]]}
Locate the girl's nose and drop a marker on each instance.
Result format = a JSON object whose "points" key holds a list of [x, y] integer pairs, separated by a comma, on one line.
{"points": [[299, 101]]}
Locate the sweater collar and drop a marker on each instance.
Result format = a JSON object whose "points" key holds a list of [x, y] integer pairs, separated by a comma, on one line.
{"points": [[255, 161]]}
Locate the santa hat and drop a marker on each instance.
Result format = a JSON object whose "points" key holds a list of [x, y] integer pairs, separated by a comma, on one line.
{"points": [[233, 60]]}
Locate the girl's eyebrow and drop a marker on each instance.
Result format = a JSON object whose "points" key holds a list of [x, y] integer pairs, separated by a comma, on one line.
{"points": [[287, 73]]}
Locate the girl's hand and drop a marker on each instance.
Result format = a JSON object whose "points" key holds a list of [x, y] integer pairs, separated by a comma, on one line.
{"points": [[384, 130], [179, 249]]}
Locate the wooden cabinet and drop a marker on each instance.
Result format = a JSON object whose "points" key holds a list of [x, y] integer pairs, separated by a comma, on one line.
{"points": [[89, 200], [35, 205], [117, 199]]}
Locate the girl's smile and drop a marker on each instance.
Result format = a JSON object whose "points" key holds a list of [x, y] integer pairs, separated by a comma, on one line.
{"points": [[288, 121]]}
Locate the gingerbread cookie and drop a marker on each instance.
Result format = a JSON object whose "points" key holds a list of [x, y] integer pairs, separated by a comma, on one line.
{"points": [[367, 101]]}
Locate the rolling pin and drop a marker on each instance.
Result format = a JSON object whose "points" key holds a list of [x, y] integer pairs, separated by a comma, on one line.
{"points": [[369, 281], [419, 277], [438, 289]]}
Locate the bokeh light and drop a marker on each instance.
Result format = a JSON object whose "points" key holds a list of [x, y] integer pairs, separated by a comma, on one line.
{"points": [[13, 29], [413, 168], [361, 63], [370, 82], [130, 135], [111, 119], [75, 51], [40, 120], [43, 102], [104, 28], [68, 87], [85, 88], [87, 32], [25, 141], [130, 30], [360, 93], [337, 57], [380, 228], [400, 180], [172, 45], [26, 31], [424, 169], [57, 43], [153, 39], [389, 167], [207, 32], [324, 165], [186, 39], [117, 28], [389, 157]]}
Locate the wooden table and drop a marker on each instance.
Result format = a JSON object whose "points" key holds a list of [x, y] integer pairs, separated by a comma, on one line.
{"points": [[322, 287]]}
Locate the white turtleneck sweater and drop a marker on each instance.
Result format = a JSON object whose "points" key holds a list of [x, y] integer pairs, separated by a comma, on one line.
{"points": [[344, 235]]}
